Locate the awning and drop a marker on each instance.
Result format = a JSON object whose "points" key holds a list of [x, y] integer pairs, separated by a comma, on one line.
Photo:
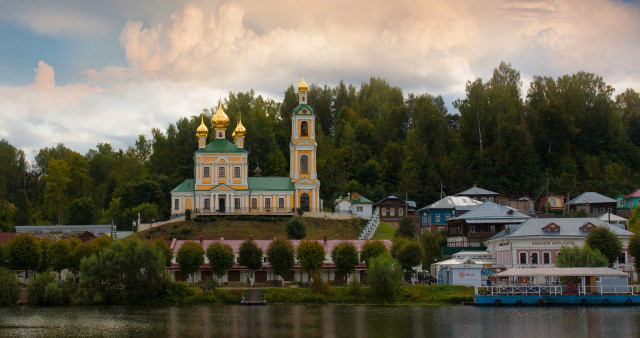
{"points": [[561, 272]]}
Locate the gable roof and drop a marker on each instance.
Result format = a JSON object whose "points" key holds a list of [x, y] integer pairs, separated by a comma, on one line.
{"points": [[476, 191], [633, 194], [360, 200], [569, 227], [221, 146], [489, 212], [591, 197], [270, 183], [609, 217], [453, 202], [187, 185]]}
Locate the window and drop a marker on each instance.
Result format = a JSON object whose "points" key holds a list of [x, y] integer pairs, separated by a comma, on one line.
{"points": [[219, 134], [304, 164], [221, 172], [359, 209], [176, 204], [205, 172], [534, 258], [236, 172], [472, 228], [237, 203], [594, 210], [281, 203], [207, 204], [546, 258], [267, 203], [492, 228], [384, 212], [602, 210], [254, 203], [392, 212], [304, 128], [523, 258], [490, 199], [609, 210], [440, 228], [622, 259], [483, 199], [304, 99], [400, 211], [437, 217]]}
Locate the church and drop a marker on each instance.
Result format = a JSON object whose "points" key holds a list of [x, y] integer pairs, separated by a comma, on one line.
{"points": [[221, 183]]}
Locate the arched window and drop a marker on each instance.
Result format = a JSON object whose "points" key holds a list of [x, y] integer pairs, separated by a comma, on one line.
{"points": [[304, 128], [304, 164]]}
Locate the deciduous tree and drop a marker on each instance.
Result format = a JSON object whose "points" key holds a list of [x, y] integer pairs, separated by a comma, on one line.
{"points": [[220, 257], [606, 242], [310, 254], [190, 256], [345, 257], [575, 256], [280, 255], [372, 249]]}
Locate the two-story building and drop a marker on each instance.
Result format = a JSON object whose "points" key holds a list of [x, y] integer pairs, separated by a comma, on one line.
{"points": [[434, 217], [391, 209], [354, 204], [481, 223], [482, 195]]}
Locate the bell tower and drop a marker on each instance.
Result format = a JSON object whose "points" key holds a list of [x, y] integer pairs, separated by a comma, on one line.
{"points": [[303, 154]]}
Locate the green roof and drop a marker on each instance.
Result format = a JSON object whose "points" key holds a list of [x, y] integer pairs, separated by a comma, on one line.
{"points": [[270, 183], [187, 185], [361, 200], [300, 107], [221, 146]]}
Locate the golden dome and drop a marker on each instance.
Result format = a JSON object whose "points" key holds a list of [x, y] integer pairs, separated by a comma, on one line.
{"points": [[240, 129], [302, 87], [220, 120], [202, 130]]}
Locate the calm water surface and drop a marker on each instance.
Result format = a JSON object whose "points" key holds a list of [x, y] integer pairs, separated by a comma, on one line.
{"points": [[321, 320]]}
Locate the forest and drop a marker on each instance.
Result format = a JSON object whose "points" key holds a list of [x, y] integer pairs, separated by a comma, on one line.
{"points": [[569, 133]]}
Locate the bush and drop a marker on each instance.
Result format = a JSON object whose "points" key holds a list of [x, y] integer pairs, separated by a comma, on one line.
{"points": [[186, 231], [9, 288], [44, 290], [318, 285], [210, 284], [187, 214], [296, 229], [300, 212], [384, 277]]}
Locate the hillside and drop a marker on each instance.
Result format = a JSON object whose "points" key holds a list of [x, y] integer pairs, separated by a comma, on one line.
{"points": [[265, 228]]}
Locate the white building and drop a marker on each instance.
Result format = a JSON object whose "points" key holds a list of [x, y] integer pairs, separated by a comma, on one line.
{"points": [[537, 242], [354, 204]]}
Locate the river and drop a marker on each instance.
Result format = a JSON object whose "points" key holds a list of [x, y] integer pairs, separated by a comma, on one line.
{"points": [[320, 320]]}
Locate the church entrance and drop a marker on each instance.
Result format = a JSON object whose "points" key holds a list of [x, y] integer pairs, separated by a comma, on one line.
{"points": [[304, 202], [221, 204]]}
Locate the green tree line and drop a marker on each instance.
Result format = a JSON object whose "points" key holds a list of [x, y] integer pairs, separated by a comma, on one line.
{"points": [[374, 139]]}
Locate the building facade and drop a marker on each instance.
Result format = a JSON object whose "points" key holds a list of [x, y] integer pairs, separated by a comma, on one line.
{"points": [[354, 204], [391, 209], [593, 204], [478, 225], [434, 217], [221, 182]]}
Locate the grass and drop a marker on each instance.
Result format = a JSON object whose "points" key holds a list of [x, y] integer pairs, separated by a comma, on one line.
{"points": [[384, 231], [260, 229]]}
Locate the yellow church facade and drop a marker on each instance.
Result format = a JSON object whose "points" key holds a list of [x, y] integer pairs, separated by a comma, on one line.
{"points": [[221, 183]]}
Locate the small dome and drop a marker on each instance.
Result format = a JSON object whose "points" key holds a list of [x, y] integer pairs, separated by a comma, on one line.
{"points": [[257, 171], [240, 129], [202, 130], [220, 120], [302, 87]]}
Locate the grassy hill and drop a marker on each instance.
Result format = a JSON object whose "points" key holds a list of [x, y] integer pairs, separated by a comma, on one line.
{"points": [[264, 228]]}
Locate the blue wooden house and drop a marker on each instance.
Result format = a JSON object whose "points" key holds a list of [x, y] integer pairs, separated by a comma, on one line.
{"points": [[434, 216]]}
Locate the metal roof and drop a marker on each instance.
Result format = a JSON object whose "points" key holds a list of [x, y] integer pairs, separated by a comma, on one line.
{"points": [[591, 197], [187, 185], [270, 184], [634, 194], [476, 191], [221, 146], [561, 272], [609, 217], [569, 227], [489, 212], [453, 202]]}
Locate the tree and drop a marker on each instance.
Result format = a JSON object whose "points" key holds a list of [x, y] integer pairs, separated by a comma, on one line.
{"points": [[220, 258], [406, 228], [296, 229], [310, 254], [101, 242], [165, 250], [9, 287], [59, 255], [372, 249], [56, 180], [385, 277], [432, 243], [250, 256], [634, 221], [575, 256], [280, 255], [397, 244], [44, 290], [3, 257], [190, 256], [345, 257], [81, 251], [634, 250], [81, 211], [23, 253], [410, 255], [605, 241]]}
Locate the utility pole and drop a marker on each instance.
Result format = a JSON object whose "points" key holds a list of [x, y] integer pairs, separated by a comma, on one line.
{"points": [[546, 205]]}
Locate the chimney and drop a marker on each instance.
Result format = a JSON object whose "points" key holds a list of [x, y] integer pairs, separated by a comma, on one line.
{"points": [[325, 239], [250, 238], [200, 239]]}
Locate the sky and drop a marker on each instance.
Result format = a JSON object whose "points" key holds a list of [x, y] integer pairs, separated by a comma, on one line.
{"points": [[83, 72]]}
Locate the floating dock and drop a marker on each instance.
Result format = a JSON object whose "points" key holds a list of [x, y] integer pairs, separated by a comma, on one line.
{"points": [[253, 297]]}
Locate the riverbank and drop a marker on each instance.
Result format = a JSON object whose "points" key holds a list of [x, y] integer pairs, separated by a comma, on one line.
{"points": [[355, 294]]}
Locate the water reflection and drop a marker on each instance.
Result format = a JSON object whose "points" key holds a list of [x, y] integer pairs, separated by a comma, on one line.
{"points": [[319, 320]]}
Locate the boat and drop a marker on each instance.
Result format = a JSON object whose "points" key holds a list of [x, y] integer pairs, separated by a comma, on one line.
{"points": [[559, 286]]}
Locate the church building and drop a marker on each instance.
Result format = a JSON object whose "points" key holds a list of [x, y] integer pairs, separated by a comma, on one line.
{"points": [[221, 183]]}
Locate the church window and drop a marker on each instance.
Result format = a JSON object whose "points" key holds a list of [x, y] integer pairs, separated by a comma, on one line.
{"points": [[267, 203], [221, 172], [304, 164], [437, 217], [205, 172], [236, 172], [254, 203], [281, 203], [207, 204], [176, 204], [220, 134], [304, 128]]}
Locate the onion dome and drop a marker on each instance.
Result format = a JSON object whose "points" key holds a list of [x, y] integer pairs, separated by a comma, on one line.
{"points": [[220, 120], [202, 130], [302, 87], [240, 129], [257, 172]]}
